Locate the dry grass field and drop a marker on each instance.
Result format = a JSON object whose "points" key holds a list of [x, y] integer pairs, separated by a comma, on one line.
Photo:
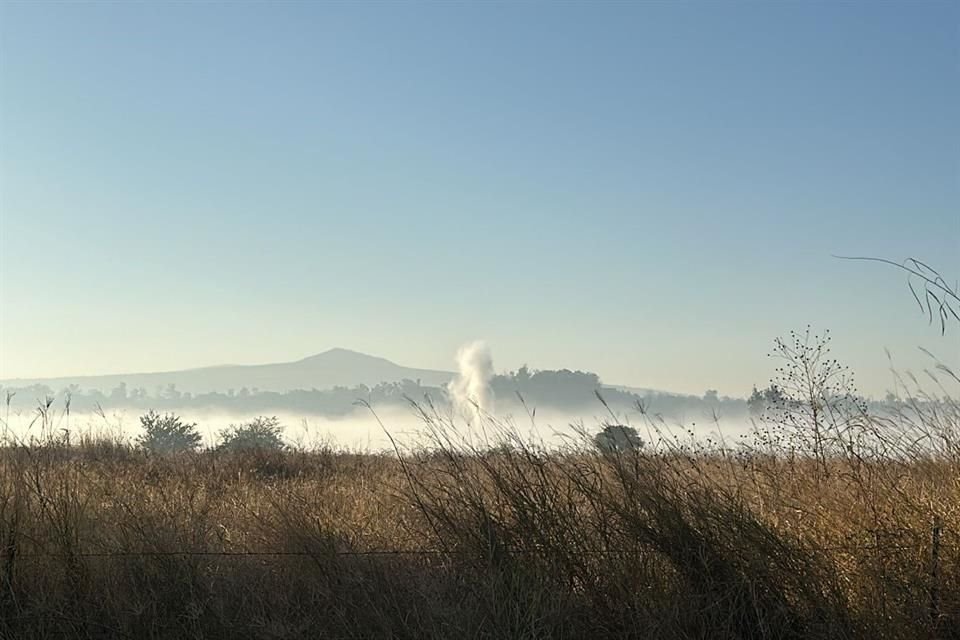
{"points": [[853, 535]]}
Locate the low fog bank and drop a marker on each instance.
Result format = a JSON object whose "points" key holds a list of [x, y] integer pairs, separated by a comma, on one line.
{"points": [[366, 429], [549, 407], [552, 407], [475, 389]]}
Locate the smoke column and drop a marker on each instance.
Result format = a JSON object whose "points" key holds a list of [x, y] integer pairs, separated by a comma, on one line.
{"points": [[470, 390]]}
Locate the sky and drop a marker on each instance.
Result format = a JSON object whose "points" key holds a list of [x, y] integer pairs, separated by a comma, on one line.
{"points": [[650, 191]]}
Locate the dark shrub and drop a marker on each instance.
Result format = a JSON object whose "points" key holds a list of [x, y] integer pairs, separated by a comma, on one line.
{"points": [[616, 438], [167, 433], [260, 433]]}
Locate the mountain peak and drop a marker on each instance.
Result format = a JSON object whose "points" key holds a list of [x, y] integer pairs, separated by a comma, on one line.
{"points": [[337, 367], [341, 354]]}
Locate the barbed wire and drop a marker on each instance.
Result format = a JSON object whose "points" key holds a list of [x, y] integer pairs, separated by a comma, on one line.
{"points": [[428, 552]]}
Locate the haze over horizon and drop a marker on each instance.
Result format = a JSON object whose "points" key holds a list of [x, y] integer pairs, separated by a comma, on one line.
{"points": [[336, 367], [651, 192]]}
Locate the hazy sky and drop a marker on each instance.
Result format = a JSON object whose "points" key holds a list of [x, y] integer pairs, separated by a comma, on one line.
{"points": [[648, 191]]}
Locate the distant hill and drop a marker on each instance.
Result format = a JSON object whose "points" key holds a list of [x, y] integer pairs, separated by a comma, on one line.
{"points": [[647, 392], [333, 368]]}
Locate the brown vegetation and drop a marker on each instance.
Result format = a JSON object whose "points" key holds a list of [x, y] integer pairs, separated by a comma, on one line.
{"points": [[674, 540]]}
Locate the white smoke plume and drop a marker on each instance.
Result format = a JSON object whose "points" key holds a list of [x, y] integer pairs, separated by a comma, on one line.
{"points": [[470, 390]]}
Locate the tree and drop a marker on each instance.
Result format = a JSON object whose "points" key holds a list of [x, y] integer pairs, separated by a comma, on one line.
{"points": [[760, 402], [522, 376], [171, 393], [119, 393], [167, 433], [260, 433], [815, 394], [617, 438], [755, 403]]}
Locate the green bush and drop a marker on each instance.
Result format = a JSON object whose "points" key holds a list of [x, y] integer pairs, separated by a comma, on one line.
{"points": [[167, 433], [617, 438], [260, 433]]}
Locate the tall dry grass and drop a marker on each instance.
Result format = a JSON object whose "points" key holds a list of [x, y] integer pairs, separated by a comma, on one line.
{"points": [[854, 535]]}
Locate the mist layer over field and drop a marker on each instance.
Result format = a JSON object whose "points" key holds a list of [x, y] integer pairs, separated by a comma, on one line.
{"points": [[367, 429]]}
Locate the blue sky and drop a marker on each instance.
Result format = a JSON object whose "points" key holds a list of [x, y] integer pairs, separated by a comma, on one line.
{"points": [[649, 191]]}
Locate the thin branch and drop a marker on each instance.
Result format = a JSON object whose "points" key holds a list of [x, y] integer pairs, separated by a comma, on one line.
{"points": [[938, 294]]}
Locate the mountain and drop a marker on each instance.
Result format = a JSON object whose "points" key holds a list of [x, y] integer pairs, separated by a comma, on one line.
{"points": [[336, 367]]}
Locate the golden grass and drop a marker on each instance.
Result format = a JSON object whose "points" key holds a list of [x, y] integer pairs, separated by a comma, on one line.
{"points": [[102, 540]]}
